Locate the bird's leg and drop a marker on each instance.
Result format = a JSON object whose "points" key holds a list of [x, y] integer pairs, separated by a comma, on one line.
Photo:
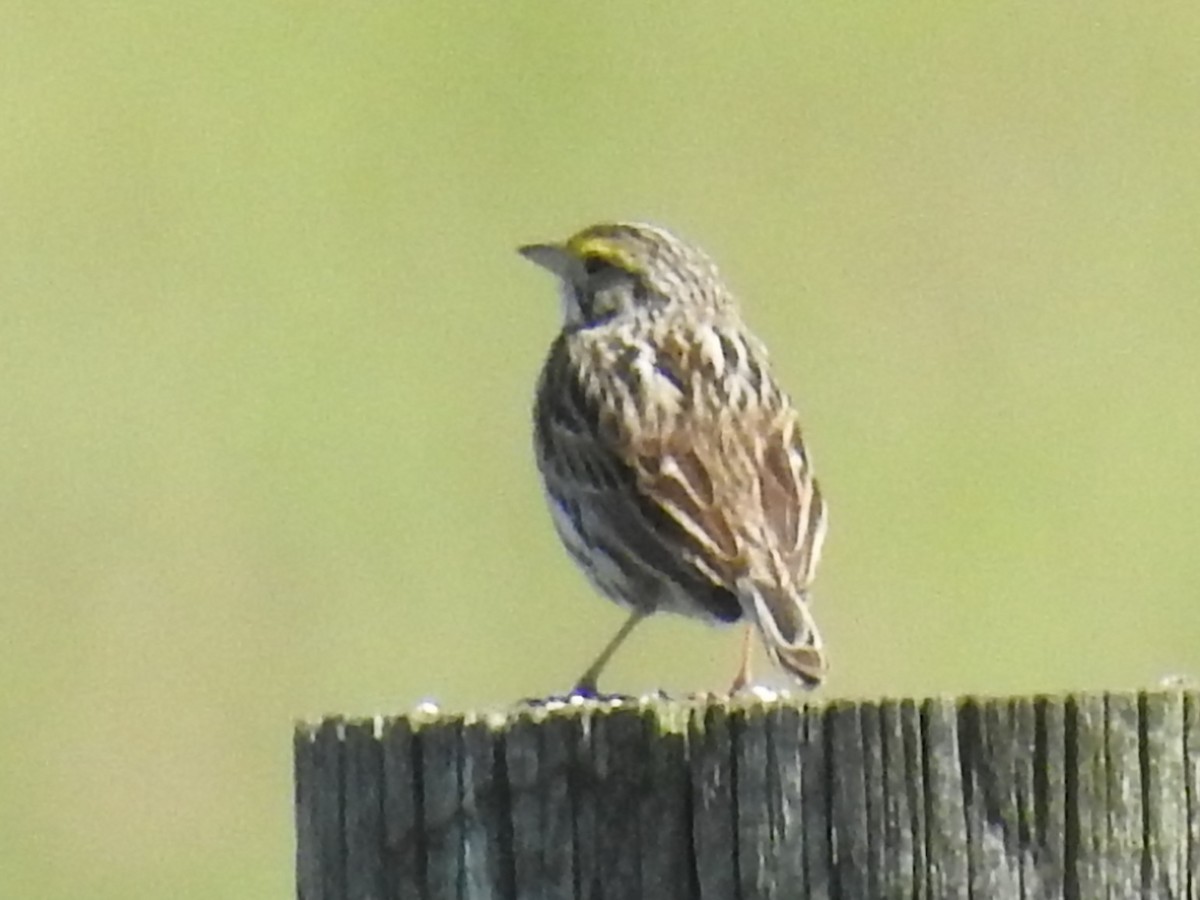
{"points": [[743, 678], [587, 681]]}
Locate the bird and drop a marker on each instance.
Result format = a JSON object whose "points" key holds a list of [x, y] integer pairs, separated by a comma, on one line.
{"points": [[671, 460]]}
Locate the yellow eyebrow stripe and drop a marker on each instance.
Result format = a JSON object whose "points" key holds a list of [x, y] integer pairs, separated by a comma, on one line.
{"points": [[594, 246]]}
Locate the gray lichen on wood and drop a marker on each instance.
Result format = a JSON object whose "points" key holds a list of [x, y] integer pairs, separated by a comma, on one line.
{"points": [[1076, 797]]}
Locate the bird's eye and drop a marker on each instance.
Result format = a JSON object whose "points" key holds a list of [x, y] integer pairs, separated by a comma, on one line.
{"points": [[594, 265]]}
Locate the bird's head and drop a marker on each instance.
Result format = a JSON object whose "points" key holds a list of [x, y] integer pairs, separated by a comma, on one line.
{"points": [[616, 270]]}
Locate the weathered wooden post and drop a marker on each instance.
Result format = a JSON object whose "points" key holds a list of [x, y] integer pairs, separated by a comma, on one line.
{"points": [[1079, 797]]}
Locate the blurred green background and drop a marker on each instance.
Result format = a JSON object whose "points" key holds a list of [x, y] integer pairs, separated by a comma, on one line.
{"points": [[267, 358]]}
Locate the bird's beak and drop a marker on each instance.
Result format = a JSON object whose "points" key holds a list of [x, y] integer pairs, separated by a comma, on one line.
{"points": [[552, 257]]}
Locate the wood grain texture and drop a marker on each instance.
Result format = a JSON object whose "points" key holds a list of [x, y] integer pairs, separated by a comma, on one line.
{"points": [[1067, 797]]}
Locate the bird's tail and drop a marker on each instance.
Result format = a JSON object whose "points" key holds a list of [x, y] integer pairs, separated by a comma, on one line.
{"points": [[788, 631]]}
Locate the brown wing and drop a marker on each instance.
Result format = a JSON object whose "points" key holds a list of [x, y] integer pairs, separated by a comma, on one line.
{"points": [[722, 455], [745, 496], [726, 462]]}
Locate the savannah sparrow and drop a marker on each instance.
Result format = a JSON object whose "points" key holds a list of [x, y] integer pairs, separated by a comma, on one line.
{"points": [[671, 460]]}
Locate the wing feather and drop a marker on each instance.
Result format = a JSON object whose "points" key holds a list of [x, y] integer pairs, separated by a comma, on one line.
{"points": [[736, 480]]}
